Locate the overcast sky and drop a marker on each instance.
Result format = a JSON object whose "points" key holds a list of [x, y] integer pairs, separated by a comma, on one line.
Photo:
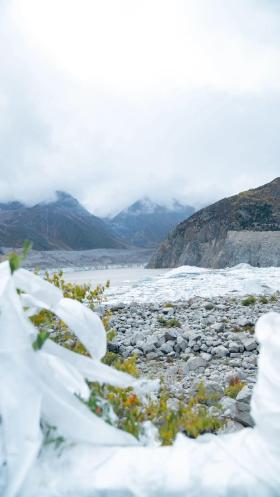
{"points": [[112, 100]]}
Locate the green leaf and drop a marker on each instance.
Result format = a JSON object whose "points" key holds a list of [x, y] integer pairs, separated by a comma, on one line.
{"points": [[40, 340], [15, 261], [27, 246]]}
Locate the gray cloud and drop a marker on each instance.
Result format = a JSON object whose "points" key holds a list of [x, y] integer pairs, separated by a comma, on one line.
{"points": [[110, 138]]}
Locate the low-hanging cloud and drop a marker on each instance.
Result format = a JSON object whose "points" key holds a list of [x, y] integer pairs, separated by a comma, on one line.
{"points": [[115, 100]]}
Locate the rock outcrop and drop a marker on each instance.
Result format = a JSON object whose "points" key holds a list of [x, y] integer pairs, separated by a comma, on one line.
{"points": [[244, 228]]}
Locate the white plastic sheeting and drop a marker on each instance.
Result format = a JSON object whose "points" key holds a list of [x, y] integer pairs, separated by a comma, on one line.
{"points": [[39, 385], [243, 464]]}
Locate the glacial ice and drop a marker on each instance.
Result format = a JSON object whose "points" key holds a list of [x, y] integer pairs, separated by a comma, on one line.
{"points": [[186, 282]]}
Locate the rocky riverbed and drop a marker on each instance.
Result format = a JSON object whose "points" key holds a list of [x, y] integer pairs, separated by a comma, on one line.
{"points": [[201, 341]]}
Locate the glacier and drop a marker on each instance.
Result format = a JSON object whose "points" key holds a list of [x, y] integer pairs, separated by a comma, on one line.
{"points": [[186, 282]]}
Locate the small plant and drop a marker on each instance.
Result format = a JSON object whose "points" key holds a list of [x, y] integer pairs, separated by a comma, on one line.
{"points": [[41, 337], [15, 260], [234, 387], [169, 323], [83, 293], [46, 320], [263, 299], [127, 365], [250, 300], [204, 397]]}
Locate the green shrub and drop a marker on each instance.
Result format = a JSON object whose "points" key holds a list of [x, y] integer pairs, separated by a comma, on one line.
{"points": [[190, 418], [234, 387], [46, 320], [250, 300], [263, 299], [274, 298], [169, 323]]}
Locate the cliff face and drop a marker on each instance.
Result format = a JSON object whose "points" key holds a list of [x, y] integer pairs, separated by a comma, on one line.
{"points": [[242, 228]]}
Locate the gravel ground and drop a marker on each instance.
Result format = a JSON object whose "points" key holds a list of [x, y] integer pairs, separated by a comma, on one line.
{"points": [[83, 259], [200, 340]]}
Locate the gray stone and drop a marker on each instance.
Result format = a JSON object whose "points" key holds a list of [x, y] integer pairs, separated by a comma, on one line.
{"points": [[196, 347], [166, 348], [250, 344], [242, 411], [141, 345], [212, 388], [182, 343], [230, 427], [137, 351], [219, 327], [207, 357], [214, 411], [220, 351], [148, 347], [243, 321], [170, 335], [194, 363], [243, 417], [168, 311], [244, 395], [152, 355], [228, 406], [233, 347]]}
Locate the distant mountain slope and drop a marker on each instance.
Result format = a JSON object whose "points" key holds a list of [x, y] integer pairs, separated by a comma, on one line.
{"points": [[62, 224], [146, 224], [242, 228]]}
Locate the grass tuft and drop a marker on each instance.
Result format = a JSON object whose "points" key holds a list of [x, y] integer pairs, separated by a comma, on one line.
{"points": [[250, 300]]}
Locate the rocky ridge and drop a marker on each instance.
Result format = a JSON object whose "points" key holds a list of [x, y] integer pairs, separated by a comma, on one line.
{"points": [[207, 342], [244, 228]]}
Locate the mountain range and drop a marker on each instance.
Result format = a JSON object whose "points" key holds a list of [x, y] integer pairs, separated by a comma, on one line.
{"points": [[244, 228], [59, 225], [146, 223], [64, 224]]}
